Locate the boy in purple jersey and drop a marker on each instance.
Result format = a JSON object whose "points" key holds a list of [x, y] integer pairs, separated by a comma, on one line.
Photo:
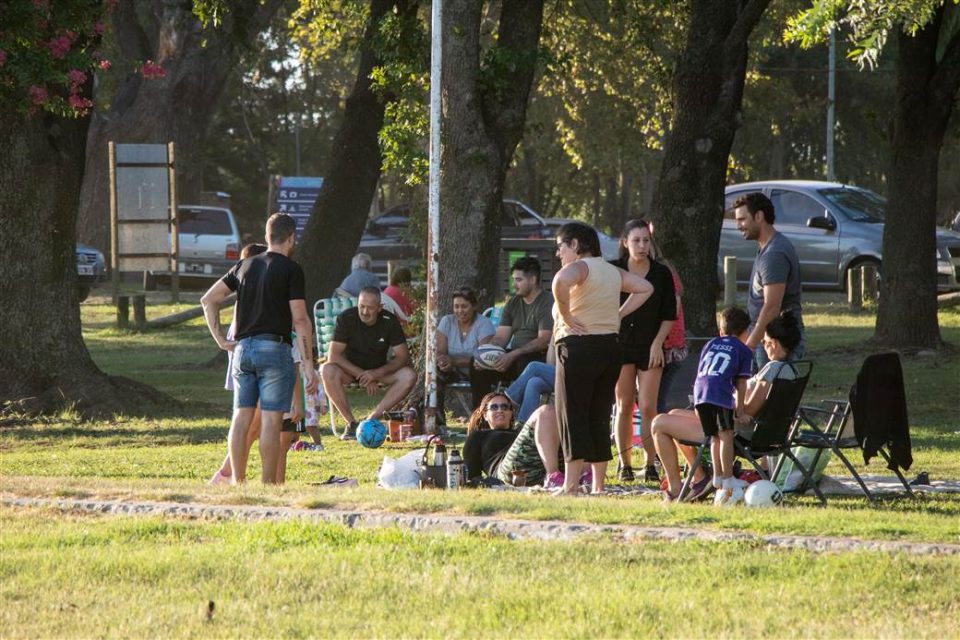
{"points": [[725, 365]]}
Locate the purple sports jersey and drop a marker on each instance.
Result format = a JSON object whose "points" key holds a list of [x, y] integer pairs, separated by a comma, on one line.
{"points": [[722, 360]]}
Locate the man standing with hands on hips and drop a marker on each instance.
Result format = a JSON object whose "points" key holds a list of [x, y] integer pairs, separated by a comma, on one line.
{"points": [[775, 279], [270, 303]]}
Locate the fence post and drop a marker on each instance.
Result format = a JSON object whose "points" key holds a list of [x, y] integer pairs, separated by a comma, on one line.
{"points": [[869, 282], [854, 295], [140, 312], [123, 312], [729, 281]]}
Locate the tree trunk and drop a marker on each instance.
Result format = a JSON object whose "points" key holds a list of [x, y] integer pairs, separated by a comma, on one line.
{"points": [[708, 91], [340, 212], [44, 363], [177, 107], [484, 115], [925, 92]]}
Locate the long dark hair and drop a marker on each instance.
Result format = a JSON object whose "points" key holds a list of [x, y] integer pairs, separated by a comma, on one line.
{"points": [[627, 228], [478, 419]]}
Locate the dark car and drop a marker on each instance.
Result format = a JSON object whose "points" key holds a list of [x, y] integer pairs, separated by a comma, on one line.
{"points": [[91, 269], [386, 237]]}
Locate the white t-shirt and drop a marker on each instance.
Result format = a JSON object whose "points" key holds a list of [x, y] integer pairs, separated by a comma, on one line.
{"points": [[770, 372]]}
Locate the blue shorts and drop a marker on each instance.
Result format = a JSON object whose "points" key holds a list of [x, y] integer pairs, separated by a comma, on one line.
{"points": [[263, 370]]}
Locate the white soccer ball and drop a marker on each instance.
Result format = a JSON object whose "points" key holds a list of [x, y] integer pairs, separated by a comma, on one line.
{"points": [[487, 355], [763, 493]]}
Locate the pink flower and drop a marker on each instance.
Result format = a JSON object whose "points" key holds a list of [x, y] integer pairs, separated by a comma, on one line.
{"points": [[151, 70], [59, 46], [76, 78], [80, 103], [105, 65], [41, 4], [98, 27], [3, 57], [111, 5], [38, 95]]}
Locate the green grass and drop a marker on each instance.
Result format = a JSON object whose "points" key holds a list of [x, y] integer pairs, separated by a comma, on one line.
{"points": [[87, 575]]}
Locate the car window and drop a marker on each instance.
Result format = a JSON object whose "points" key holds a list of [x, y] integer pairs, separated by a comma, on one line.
{"points": [[796, 208], [858, 204], [526, 218], [728, 201], [205, 221], [507, 215]]}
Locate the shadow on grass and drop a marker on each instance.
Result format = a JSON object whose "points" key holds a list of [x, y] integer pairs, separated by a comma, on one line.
{"points": [[136, 437]]}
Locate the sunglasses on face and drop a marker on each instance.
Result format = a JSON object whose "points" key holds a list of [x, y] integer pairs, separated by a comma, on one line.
{"points": [[496, 406]]}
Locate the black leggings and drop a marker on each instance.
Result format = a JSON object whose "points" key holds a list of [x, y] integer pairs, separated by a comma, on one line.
{"points": [[587, 372]]}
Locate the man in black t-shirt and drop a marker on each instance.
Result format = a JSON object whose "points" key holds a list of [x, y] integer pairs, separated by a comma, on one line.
{"points": [[358, 352], [270, 303]]}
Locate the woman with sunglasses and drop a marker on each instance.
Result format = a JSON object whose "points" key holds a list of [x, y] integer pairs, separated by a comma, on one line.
{"points": [[587, 312], [497, 449], [458, 336]]}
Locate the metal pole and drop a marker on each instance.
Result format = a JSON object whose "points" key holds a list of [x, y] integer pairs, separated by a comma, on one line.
{"points": [[433, 212], [831, 101], [174, 226], [114, 224]]}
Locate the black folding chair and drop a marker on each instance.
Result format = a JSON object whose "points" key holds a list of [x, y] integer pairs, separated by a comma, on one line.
{"points": [[831, 425], [773, 427]]}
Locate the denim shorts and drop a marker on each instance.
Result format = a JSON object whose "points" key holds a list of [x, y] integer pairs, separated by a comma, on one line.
{"points": [[263, 370]]}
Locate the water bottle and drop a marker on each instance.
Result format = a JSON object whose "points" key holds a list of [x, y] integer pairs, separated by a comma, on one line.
{"points": [[439, 454], [454, 470]]}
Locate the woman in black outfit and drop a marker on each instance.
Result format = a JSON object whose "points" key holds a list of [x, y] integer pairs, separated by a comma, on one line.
{"points": [[642, 334], [490, 433]]}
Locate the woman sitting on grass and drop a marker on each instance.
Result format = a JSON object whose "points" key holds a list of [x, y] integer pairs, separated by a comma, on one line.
{"points": [[780, 339], [497, 449]]}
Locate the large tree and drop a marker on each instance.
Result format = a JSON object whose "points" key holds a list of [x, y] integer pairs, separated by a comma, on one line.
{"points": [[47, 58], [927, 83], [707, 94], [350, 180], [485, 92], [170, 74]]}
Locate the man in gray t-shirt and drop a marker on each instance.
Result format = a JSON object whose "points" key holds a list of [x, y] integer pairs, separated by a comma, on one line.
{"points": [[775, 279]]}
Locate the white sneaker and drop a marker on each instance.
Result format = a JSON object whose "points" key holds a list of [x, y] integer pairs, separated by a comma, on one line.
{"points": [[721, 497]]}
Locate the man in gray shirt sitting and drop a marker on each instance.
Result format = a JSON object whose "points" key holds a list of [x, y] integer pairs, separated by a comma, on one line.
{"points": [[775, 279], [360, 276]]}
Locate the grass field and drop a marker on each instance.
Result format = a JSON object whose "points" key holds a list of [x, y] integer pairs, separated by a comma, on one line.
{"points": [[91, 575]]}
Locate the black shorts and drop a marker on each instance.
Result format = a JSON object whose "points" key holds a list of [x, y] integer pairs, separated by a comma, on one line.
{"points": [[637, 356], [714, 419]]}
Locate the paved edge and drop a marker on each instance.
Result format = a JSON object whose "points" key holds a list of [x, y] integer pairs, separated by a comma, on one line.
{"points": [[509, 528]]}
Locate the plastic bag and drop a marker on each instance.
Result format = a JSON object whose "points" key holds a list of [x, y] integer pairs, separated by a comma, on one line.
{"points": [[791, 479], [402, 472]]}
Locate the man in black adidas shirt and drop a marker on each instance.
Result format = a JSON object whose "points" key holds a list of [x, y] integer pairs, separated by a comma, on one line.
{"points": [[270, 303], [358, 352]]}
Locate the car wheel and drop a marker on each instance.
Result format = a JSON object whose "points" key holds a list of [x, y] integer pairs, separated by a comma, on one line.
{"points": [[82, 292]]}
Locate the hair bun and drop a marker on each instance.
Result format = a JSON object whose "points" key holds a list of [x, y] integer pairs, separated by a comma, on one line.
{"points": [[788, 319]]}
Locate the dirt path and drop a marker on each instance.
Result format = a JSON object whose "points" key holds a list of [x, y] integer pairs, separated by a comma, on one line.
{"points": [[513, 529]]}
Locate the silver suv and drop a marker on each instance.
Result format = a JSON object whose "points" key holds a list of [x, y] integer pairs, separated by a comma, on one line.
{"points": [[834, 227], [209, 241]]}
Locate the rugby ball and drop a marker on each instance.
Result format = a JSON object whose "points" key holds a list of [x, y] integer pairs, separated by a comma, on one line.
{"points": [[487, 355]]}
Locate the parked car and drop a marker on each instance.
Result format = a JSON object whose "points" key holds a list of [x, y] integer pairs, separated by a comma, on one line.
{"points": [[91, 269], [386, 236], [834, 227]]}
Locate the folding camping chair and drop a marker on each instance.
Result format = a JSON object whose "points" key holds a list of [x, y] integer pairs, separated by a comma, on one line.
{"points": [[831, 425], [773, 427]]}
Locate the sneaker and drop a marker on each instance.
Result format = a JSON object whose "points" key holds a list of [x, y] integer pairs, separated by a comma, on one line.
{"points": [[219, 478], [586, 478], [626, 474], [310, 446], [699, 489], [554, 480], [350, 432], [650, 474], [723, 496]]}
